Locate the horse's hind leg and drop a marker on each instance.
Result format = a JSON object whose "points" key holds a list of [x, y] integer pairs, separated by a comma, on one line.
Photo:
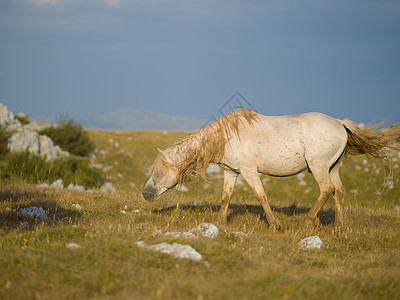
{"points": [[254, 182], [229, 184], [326, 187], [340, 193]]}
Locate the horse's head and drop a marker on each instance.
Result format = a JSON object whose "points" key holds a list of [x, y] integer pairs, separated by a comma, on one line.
{"points": [[164, 175]]}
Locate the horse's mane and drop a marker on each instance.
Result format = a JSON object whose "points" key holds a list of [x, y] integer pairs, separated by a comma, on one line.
{"points": [[207, 144], [203, 146]]}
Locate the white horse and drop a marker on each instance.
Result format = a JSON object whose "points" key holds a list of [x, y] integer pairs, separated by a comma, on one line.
{"points": [[245, 142]]}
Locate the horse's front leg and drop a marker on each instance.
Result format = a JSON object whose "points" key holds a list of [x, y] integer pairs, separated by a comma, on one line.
{"points": [[254, 182], [229, 184]]}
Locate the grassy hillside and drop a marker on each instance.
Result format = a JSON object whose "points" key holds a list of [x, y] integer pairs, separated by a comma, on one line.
{"points": [[361, 261]]}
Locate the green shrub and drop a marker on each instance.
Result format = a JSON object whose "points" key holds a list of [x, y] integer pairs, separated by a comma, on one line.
{"points": [[34, 169], [4, 135], [70, 136], [23, 119]]}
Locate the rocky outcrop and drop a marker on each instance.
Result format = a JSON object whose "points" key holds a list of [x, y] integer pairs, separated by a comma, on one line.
{"points": [[8, 120], [31, 141], [26, 137]]}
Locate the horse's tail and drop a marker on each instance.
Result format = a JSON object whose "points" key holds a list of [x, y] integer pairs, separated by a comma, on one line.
{"points": [[373, 141]]}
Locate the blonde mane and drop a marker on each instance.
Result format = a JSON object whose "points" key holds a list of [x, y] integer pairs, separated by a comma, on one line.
{"points": [[204, 146]]}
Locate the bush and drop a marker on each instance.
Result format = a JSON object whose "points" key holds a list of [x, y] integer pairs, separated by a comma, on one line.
{"points": [[4, 135], [34, 169], [70, 136], [22, 119]]}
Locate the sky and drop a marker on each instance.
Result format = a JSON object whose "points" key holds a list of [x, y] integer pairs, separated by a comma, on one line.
{"points": [[187, 58]]}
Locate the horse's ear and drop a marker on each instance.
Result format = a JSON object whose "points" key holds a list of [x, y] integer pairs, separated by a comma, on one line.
{"points": [[165, 155]]}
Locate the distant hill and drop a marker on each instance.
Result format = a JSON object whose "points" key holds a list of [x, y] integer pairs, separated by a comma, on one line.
{"points": [[134, 120]]}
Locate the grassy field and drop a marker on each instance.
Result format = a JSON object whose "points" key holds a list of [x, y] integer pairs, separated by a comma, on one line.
{"points": [[360, 261]]}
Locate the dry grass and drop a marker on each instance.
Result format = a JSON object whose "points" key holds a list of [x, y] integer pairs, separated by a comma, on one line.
{"points": [[361, 261]]}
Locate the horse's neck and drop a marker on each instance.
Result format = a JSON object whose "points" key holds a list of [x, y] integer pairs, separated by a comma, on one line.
{"points": [[185, 149]]}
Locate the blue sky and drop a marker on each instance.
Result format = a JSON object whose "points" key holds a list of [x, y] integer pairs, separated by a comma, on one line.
{"points": [[92, 57]]}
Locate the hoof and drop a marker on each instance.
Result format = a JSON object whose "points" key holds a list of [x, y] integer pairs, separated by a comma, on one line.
{"points": [[339, 225], [277, 226]]}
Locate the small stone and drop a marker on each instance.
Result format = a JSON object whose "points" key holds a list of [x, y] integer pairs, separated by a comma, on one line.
{"points": [[206, 230], [43, 185], [311, 242], [123, 212], [73, 246], [182, 188], [34, 213], [58, 184], [76, 206], [107, 187], [174, 249]]}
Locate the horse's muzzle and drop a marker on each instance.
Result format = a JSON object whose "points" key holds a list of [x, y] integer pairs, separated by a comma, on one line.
{"points": [[149, 195]]}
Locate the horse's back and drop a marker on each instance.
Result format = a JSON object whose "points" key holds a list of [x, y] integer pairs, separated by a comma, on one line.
{"points": [[285, 145]]}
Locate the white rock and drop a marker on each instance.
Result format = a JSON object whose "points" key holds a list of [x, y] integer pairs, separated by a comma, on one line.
{"points": [[7, 118], [182, 188], [31, 141], [311, 242], [78, 188], [107, 187], [58, 184], [36, 126], [178, 234], [206, 230], [76, 206], [136, 211], [34, 213], [174, 249], [43, 185], [123, 212], [73, 246]]}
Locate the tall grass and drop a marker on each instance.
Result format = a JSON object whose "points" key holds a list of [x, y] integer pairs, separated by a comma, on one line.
{"points": [[26, 167]]}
